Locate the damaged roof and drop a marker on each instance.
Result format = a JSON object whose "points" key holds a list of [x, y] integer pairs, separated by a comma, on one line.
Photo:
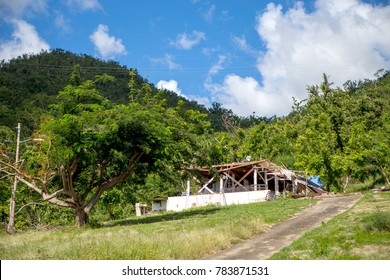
{"points": [[241, 169]]}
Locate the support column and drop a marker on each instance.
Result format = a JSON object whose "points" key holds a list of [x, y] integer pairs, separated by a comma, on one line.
{"points": [[307, 188], [234, 182], [276, 184], [188, 190], [221, 184], [294, 185], [255, 178]]}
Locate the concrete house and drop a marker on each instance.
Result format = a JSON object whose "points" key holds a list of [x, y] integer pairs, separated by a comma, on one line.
{"points": [[239, 183]]}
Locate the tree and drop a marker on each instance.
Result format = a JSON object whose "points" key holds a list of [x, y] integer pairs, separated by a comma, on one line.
{"points": [[368, 147], [273, 141], [345, 133], [321, 143], [92, 145], [6, 137]]}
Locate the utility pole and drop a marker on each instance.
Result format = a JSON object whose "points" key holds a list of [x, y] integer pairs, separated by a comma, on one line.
{"points": [[11, 223]]}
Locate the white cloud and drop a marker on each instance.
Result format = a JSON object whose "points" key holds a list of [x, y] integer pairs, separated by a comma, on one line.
{"points": [[167, 60], [345, 39], [25, 40], [18, 7], [210, 51], [61, 22], [243, 45], [218, 66], [171, 85], [245, 96], [107, 46], [188, 41], [209, 14], [214, 70], [85, 4]]}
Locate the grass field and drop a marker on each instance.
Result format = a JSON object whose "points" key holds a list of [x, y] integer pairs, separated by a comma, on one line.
{"points": [[363, 232], [189, 234]]}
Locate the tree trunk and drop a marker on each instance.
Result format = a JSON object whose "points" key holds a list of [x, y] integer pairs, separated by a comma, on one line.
{"points": [[346, 184], [81, 217]]}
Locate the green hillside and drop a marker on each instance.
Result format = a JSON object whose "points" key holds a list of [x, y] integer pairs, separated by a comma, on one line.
{"points": [[28, 84]]}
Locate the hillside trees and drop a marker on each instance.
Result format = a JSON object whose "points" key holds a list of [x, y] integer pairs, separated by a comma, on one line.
{"points": [[273, 141], [30, 83], [344, 132], [92, 145], [320, 144], [336, 133], [369, 129]]}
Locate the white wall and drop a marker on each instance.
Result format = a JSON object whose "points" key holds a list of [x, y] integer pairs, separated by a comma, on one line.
{"points": [[179, 203]]}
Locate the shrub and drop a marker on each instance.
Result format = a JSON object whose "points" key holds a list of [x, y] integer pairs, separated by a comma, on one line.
{"points": [[378, 221]]}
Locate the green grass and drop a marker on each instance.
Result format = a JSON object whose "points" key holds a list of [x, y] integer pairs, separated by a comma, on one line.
{"points": [[363, 232], [361, 187], [189, 234]]}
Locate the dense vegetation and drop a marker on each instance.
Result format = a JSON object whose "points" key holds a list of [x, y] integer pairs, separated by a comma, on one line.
{"points": [[111, 139]]}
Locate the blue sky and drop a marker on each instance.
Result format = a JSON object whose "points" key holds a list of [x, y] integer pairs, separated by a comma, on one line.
{"points": [[249, 55]]}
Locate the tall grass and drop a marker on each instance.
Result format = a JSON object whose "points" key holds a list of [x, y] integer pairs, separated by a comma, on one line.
{"points": [[186, 235], [378, 221]]}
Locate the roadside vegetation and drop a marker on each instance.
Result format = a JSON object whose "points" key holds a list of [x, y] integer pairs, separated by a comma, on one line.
{"points": [[361, 233], [190, 234]]}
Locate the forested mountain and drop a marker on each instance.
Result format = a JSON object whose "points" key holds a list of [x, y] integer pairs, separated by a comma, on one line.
{"points": [[111, 139], [28, 84]]}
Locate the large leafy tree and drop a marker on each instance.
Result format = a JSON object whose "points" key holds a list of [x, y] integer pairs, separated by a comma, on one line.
{"points": [[273, 141], [92, 145]]}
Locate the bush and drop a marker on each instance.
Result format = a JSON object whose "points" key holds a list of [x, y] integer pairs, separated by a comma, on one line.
{"points": [[378, 221]]}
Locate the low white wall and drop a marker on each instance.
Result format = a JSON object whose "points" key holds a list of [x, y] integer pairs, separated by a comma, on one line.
{"points": [[179, 203]]}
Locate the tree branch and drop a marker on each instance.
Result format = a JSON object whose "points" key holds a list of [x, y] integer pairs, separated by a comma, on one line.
{"points": [[67, 180], [114, 181], [47, 197], [30, 203]]}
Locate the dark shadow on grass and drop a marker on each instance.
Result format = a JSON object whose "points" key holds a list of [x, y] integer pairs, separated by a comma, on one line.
{"points": [[156, 218]]}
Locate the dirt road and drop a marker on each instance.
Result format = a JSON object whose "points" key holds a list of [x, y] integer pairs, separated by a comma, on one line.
{"points": [[281, 235]]}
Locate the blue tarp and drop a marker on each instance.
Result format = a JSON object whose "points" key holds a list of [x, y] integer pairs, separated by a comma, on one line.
{"points": [[316, 180]]}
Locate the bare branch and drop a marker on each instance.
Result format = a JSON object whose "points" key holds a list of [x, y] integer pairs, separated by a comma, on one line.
{"points": [[28, 204], [46, 197], [9, 166]]}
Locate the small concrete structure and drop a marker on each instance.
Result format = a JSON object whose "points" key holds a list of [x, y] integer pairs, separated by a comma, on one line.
{"points": [[159, 204], [141, 209]]}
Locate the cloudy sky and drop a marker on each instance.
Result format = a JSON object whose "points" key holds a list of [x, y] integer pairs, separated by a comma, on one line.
{"points": [[249, 55]]}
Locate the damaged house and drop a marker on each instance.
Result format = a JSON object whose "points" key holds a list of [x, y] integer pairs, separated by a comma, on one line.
{"points": [[239, 183]]}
